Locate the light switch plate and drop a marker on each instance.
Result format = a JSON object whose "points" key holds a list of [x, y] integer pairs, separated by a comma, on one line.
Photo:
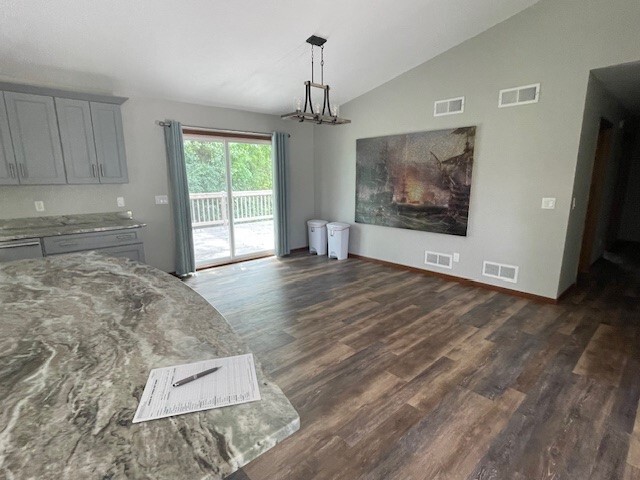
{"points": [[120, 201], [548, 203], [456, 257], [39, 205], [162, 200]]}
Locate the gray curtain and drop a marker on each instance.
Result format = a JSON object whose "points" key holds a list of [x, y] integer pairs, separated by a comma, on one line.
{"points": [[185, 259], [281, 192]]}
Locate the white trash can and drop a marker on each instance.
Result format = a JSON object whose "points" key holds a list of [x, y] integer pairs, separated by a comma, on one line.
{"points": [[317, 236], [338, 235]]}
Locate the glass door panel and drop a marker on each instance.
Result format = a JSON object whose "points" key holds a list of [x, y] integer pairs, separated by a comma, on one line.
{"points": [[252, 191], [206, 167]]}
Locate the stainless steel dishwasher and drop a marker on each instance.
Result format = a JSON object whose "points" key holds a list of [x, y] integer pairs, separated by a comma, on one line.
{"points": [[20, 249]]}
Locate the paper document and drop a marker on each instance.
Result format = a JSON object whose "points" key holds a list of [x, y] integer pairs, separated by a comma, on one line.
{"points": [[235, 382]]}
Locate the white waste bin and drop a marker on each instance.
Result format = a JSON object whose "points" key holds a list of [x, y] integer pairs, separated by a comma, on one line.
{"points": [[338, 235], [317, 236]]}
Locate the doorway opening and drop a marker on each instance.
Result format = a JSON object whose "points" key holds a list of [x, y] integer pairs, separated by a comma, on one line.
{"points": [[230, 178]]}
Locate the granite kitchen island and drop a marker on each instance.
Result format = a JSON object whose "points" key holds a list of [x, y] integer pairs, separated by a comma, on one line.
{"points": [[79, 334]]}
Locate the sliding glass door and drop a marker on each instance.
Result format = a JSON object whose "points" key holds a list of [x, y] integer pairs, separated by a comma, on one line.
{"points": [[231, 194]]}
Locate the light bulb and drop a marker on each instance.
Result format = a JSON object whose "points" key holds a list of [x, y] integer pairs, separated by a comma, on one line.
{"points": [[336, 110], [297, 102], [318, 108]]}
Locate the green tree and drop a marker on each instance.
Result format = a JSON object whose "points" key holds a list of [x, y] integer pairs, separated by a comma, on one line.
{"points": [[205, 164]]}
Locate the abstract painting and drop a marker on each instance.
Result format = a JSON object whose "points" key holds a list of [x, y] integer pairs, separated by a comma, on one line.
{"points": [[419, 181]]}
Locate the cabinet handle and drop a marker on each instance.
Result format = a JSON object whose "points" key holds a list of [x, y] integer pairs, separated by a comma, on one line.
{"points": [[12, 173], [125, 237], [101, 170], [16, 245], [23, 171], [68, 244], [93, 170]]}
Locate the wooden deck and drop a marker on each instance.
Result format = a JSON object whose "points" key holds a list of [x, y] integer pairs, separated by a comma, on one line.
{"points": [[398, 375]]}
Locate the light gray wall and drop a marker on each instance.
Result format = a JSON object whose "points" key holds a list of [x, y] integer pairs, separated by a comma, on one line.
{"points": [[148, 173], [522, 153], [630, 222]]}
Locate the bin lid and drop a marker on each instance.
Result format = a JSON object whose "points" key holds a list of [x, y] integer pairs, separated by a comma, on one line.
{"points": [[316, 223], [338, 226]]}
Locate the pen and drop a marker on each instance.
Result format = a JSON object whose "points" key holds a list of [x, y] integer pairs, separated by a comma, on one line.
{"points": [[195, 377]]}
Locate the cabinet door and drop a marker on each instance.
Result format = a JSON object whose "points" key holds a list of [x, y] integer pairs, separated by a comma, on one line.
{"points": [[78, 146], [132, 252], [36, 139], [109, 136], [8, 168]]}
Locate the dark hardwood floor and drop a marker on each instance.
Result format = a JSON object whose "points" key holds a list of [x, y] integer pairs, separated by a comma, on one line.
{"points": [[398, 375]]}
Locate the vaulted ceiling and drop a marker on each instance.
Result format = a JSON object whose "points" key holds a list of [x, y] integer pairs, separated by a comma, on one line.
{"points": [[247, 54]]}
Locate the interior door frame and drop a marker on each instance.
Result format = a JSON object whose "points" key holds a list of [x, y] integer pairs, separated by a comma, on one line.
{"points": [[600, 162]]}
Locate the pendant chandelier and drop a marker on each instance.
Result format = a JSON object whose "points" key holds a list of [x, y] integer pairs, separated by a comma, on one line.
{"points": [[329, 113]]}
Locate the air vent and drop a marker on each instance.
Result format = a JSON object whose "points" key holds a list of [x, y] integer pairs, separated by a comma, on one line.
{"points": [[511, 97], [436, 259], [449, 106], [508, 273]]}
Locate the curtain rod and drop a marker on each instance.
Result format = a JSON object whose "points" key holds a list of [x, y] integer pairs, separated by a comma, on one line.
{"points": [[209, 129]]}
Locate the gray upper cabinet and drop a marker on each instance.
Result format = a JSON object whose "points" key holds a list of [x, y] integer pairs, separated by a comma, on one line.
{"points": [[35, 138], [8, 168], [109, 140], [78, 146], [52, 136]]}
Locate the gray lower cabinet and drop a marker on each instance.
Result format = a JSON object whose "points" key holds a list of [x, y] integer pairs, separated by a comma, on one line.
{"points": [[132, 252], [78, 146], [35, 138], [109, 138], [20, 249], [120, 243], [8, 168]]}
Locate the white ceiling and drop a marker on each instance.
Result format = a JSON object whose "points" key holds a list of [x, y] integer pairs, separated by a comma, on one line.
{"points": [[247, 54]]}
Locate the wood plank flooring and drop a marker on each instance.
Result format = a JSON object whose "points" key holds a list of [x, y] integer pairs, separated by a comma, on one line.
{"points": [[398, 375]]}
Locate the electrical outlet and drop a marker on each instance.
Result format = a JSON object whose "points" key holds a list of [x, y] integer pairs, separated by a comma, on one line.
{"points": [[39, 205], [548, 203], [456, 257], [162, 200], [120, 201]]}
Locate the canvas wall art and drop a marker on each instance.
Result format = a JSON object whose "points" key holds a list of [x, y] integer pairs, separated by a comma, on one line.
{"points": [[419, 181]]}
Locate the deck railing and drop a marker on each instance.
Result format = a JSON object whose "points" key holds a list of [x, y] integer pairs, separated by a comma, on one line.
{"points": [[208, 209]]}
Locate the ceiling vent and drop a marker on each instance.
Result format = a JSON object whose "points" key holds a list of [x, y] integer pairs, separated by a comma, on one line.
{"points": [[450, 106], [508, 273], [436, 259], [512, 97]]}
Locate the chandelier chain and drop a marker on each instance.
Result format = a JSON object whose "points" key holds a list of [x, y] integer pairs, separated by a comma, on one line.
{"points": [[322, 64]]}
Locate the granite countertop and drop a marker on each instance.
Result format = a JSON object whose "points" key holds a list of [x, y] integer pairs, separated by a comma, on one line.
{"points": [[36, 227], [79, 334]]}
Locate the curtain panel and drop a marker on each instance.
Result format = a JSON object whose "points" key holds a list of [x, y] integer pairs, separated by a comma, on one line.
{"points": [[185, 257], [280, 154]]}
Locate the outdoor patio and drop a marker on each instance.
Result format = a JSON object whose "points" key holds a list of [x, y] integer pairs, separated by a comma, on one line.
{"points": [[212, 243]]}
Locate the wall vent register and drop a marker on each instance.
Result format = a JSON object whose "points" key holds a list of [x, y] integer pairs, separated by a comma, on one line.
{"points": [[443, 260], [508, 273], [450, 106], [511, 97]]}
